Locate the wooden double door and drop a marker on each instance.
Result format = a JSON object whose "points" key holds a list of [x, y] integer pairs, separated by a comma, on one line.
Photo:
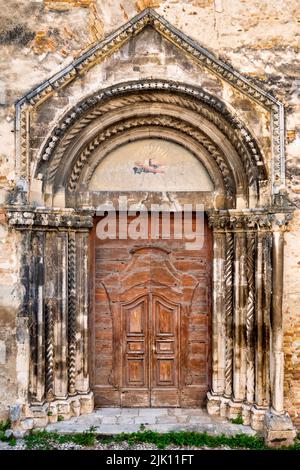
{"points": [[150, 322], [151, 349]]}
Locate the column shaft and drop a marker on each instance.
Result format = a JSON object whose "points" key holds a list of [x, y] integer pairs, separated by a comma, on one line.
{"points": [[218, 322], [276, 324], [250, 315], [239, 318]]}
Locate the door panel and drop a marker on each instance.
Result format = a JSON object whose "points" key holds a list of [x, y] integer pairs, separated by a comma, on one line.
{"points": [[150, 332], [135, 355], [165, 348], [135, 351]]}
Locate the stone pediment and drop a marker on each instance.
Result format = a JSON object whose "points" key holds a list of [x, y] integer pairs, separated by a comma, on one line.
{"points": [[47, 112]]}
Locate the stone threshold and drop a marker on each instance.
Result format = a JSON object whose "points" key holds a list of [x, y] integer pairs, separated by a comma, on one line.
{"points": [[110, 421]]}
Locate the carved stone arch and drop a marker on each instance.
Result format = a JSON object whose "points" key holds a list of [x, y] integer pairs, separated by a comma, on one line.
{"points": [[226, 137], [151, 91]]}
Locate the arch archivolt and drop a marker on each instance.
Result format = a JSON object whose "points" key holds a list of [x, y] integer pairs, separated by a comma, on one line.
{"points": [[230, 146]]}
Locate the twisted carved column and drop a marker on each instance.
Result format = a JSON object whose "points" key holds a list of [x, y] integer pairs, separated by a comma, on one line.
{"points": [[228, 272], [36, 292], [49, 348], [250, 315], [82, 273], [72, 312]]}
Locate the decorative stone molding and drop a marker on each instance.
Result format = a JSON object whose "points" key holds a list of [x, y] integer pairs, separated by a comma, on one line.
{"points": [[226, 408], [250, 315], [49, 348], [228, 274], [72, 317], [56, 293], [263, 219]]}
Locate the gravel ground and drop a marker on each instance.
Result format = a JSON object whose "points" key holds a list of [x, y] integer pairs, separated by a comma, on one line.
{"points": [[112, 446]]}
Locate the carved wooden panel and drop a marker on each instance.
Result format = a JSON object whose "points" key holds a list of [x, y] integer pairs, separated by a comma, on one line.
{"points": [[165, 350], [135, 343]]}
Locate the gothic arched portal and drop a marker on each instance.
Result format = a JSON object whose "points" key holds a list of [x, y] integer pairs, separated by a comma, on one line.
{"points": [[73, 138]]}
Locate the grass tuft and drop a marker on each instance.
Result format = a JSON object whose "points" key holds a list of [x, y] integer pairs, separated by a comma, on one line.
{"points": [[44, 440], [4, 426], [237, 420]]}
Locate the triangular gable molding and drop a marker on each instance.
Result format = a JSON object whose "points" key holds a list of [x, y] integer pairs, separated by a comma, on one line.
{"points": [[114, 42]]}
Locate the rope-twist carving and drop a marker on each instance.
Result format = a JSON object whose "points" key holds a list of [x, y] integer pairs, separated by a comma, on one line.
{"points": [[250, 315], [49, 349], [72, 312], [228, 274]]}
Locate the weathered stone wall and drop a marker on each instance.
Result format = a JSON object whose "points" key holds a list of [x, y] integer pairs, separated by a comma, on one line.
{"points": [[38, 38]]}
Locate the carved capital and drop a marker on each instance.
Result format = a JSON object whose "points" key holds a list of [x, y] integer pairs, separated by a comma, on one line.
{"points": [[25, 219], [280, 221], [248, 220]]}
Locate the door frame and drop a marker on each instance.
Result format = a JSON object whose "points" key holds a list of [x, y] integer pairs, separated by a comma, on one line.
{"points": [[117, 335]]}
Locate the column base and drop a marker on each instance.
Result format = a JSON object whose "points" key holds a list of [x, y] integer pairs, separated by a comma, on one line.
{"points": [[213, 404], [279, 430], [26, 417], [225, 407]]}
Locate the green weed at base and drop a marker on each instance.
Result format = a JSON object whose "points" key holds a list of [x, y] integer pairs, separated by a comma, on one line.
{"points": [[192, 439], [4, 426], [43, 440], [237, 420]]}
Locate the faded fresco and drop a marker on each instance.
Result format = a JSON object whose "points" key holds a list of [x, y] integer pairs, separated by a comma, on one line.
{"points": [[151, 165]]}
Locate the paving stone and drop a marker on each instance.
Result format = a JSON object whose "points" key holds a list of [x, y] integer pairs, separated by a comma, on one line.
{"points": [[65, 429], [187, 411], [129, 411], [183, 419], [145, 419], [126, 420], [109, 412], [167, 419], [199, 419], [198, 412], [109, 420], [162, 428], [113, 429], [153, 411]]}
